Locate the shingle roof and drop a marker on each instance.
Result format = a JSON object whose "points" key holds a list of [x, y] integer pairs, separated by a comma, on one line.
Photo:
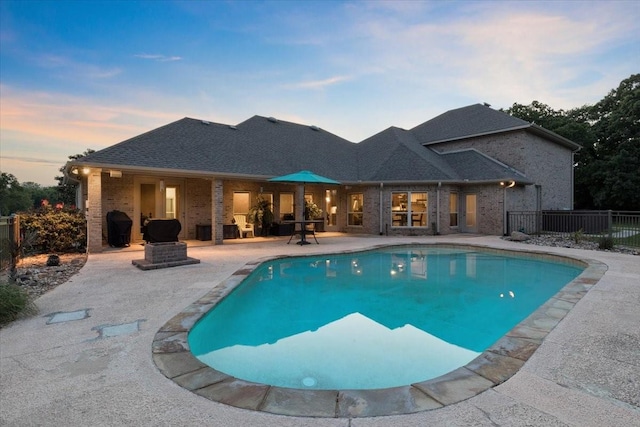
{"points": [[262, 147], [395, 155], [256, 146], [465, 122], [477, 120], [474, 166]]}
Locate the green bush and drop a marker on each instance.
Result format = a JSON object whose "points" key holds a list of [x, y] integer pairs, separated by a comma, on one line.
{"points": [[56, 230], [605, 242], [14, 302], [577, 236]]}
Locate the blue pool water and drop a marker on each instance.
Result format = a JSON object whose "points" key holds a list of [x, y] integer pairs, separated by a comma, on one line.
{"points": [[368, 320]]}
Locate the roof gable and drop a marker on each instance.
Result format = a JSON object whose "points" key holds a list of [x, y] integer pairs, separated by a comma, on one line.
{"points": [[395, 155], [466, 122]]}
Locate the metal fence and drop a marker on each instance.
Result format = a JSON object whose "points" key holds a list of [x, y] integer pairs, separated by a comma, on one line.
{"points": [[9, 232], [622, 226]]}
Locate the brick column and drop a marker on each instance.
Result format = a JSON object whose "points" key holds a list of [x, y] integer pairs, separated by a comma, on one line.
{"points": [[94, 211], [217, 211]]}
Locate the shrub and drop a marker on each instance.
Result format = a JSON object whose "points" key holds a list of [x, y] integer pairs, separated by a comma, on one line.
{"points": [[14, 302], [577, 236], [56, 230], [605, 242]]}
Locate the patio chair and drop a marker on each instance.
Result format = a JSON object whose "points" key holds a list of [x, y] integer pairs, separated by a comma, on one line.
{"points": [[243, 226]]}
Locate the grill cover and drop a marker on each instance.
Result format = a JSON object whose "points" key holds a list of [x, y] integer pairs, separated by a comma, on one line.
{"points": [[118, 229], [162, 230]]}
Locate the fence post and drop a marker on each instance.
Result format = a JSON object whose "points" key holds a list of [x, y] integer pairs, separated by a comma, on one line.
{"points": [[507, 232], [14, 233], [610, 223]]}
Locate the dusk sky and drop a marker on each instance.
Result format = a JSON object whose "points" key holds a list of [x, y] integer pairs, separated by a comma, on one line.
{"points": [[88, 74]]}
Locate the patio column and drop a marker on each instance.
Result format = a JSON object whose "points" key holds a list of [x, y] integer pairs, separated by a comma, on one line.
{"points": [[217, 211], [93, 211]]}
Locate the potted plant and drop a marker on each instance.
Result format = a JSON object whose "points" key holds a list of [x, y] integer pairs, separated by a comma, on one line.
{"points": [[261, 216], [311, 211]]}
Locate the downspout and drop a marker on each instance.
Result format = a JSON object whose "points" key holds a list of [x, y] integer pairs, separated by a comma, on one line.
{"points": [[437, 230], [380, 215], [504, 210], [573, 172]]}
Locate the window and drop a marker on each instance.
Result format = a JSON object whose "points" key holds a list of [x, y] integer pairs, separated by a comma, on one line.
{"points": [[409, 209], [286, 206], [354, 213], [453, 209], [418, 209], [170, 201], [241, 203]]}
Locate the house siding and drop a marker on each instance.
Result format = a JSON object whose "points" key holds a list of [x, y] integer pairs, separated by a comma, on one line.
{"points": [[119, 195], [546, 163], [490, 208], [550, 166], [197, 205]]}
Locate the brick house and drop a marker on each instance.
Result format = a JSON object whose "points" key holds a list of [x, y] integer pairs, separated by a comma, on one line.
{"points": [[458, 172]]}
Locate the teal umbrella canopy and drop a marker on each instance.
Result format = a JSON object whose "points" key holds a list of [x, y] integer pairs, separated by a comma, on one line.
{"points": [[304, 177]]}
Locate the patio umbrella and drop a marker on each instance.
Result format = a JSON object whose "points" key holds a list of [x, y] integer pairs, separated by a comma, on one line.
{"points": [[304, 177]]}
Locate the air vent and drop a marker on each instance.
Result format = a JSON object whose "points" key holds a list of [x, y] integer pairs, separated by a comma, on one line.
{"points": [[314, 127], [233, 127], [204, 122], [272, 119]]}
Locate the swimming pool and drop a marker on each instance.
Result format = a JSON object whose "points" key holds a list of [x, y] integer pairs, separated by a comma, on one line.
{"points": [[371, 320], [173, 357]]}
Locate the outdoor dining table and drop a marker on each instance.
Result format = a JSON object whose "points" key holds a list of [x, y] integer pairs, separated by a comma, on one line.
{"points": [[302, 231]]}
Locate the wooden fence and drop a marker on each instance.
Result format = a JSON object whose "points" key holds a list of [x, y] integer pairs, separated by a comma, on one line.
{"points": [[9, 232]]}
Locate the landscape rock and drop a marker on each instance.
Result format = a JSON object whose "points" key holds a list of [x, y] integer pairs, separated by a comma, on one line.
{"points": [[518, 236], [36, 277]]}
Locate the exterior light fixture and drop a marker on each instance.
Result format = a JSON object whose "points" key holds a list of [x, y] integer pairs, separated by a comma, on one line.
{"points": [[86, 171], [162, 185]]}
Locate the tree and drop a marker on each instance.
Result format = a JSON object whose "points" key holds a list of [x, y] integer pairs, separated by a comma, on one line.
{"points": [[13, 198], [67, 191], [37, 193], [615, 171]]}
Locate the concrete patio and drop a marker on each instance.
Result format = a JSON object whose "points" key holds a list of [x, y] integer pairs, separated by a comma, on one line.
{"points": [[86, 359]]}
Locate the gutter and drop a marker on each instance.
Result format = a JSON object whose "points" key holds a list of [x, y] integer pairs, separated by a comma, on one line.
{"points": [[166, 172], [381, 214], [533, 128], [437, 230]]}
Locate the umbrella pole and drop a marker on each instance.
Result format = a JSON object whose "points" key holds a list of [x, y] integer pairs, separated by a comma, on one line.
{"points": [[299, 211]]}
